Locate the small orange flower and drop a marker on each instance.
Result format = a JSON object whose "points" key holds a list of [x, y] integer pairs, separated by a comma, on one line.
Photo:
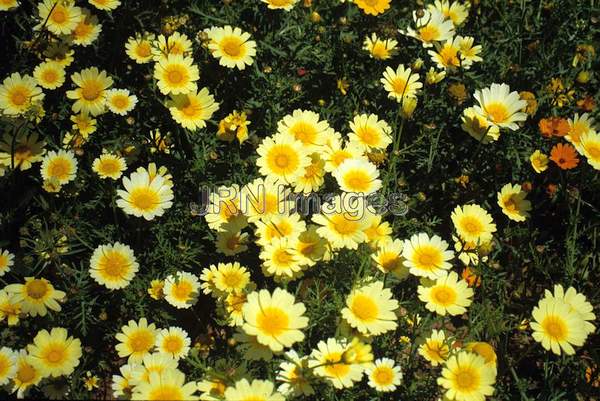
{"points": [[554, 126], [551, 189], [565, 156], [586, 104], [470, 277]]}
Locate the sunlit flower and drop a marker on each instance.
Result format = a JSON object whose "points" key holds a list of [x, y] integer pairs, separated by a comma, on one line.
{"points": [[232, 47], [36, 296], [84, 123], [286, 5], [108, 165], [446, 295], [358, 175], [373, 7], [457, 12], [21, 150], [59, 17], [539, 161], [473, 223], [431, 26], [369, 132], [106, 5], [193, 109], [175, 44], [145, 196], [401, 83], [113, 265], [384, 375], [87, 30], [120, 101], [53, 353], [565, 156], [176, 74], [590, 148], [49, 75], [511, 199], [168, 385], [328, 361], [181, 289], [467, 377], [261, 390], [234, 125], [500, 106], [90, 94], [436, 348], [426, 257], [139, 48], [60, 165], [19, 93], [370, 309], [380, 49], [136, 340], [27, 374], [306, 127], [282, 157]]}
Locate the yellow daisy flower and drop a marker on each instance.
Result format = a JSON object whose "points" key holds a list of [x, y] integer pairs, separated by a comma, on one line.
{"points": [[293, 373], [49, 75], [139, 48], [358, 175], [377, 231], [370, 309], [145, 196], [388, 258], [446, 295], [36, 296], [54, 353], [473, 224], [578, 126], [121, 384], [232, 47], [61, 166], [250, 347], [427, 257], [152, 363], [306, 127], [173, 341], [27, 374], [373, 7], [108, 165], [557, 327], [6, 5], [7, 260], [436, 348], [511, 200], [288, 226], [335, 153], [369, 132], [280, 260], [60, 17], [342, 222], [431, 26], [193, 109], [84, 124], [466, 377], [401, 83], [176, 44], [384, 375], [120, 101], [181, 289], [113, 265], [380, 49], [577, 303], [231, 277], [539, 161], [310, 247], [136, 340], [224, 207], [500, 107], [87, 30], [478, 126], [19, 93], [156, 289], [176, 74], [275, 319], [446, 56], [282, 157], [328, 361], [90, 94]]}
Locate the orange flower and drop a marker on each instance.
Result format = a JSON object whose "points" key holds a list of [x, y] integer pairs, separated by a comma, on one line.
{"points": [[470, 277], [553, 126], [586, 104], [551, 189], [565, 156]]}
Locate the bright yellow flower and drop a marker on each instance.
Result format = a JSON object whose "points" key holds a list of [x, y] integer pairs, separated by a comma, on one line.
{"points": [[53, 353]]}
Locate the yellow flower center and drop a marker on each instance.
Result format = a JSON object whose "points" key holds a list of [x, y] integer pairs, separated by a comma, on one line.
{"points": [[91, 91], [109, 167], [449, 56], [497, 112], [593, 150], [428, 257], [472, 225], [380, 50], [272, 321], [368, 135], [399, 85], [59, 14], [283, 257], [443, 295], [143, 49], [182, 290], [49, 76], [37, 288], [390, 261], [305, 133], [555, 327], [59, 168], [120, 101], [344, 225], [364, 308], [19, 97], [82, 30], [428, 33], [26, 373], [141, 341], [232, 46], [383, 376], [55, 355], [175, 76], [279, 3], [232, 279], [336, 369], [466, 380], [510, 204], [22, 152], [173, 344], [114, 264], [144, 198], [357, 180]]}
